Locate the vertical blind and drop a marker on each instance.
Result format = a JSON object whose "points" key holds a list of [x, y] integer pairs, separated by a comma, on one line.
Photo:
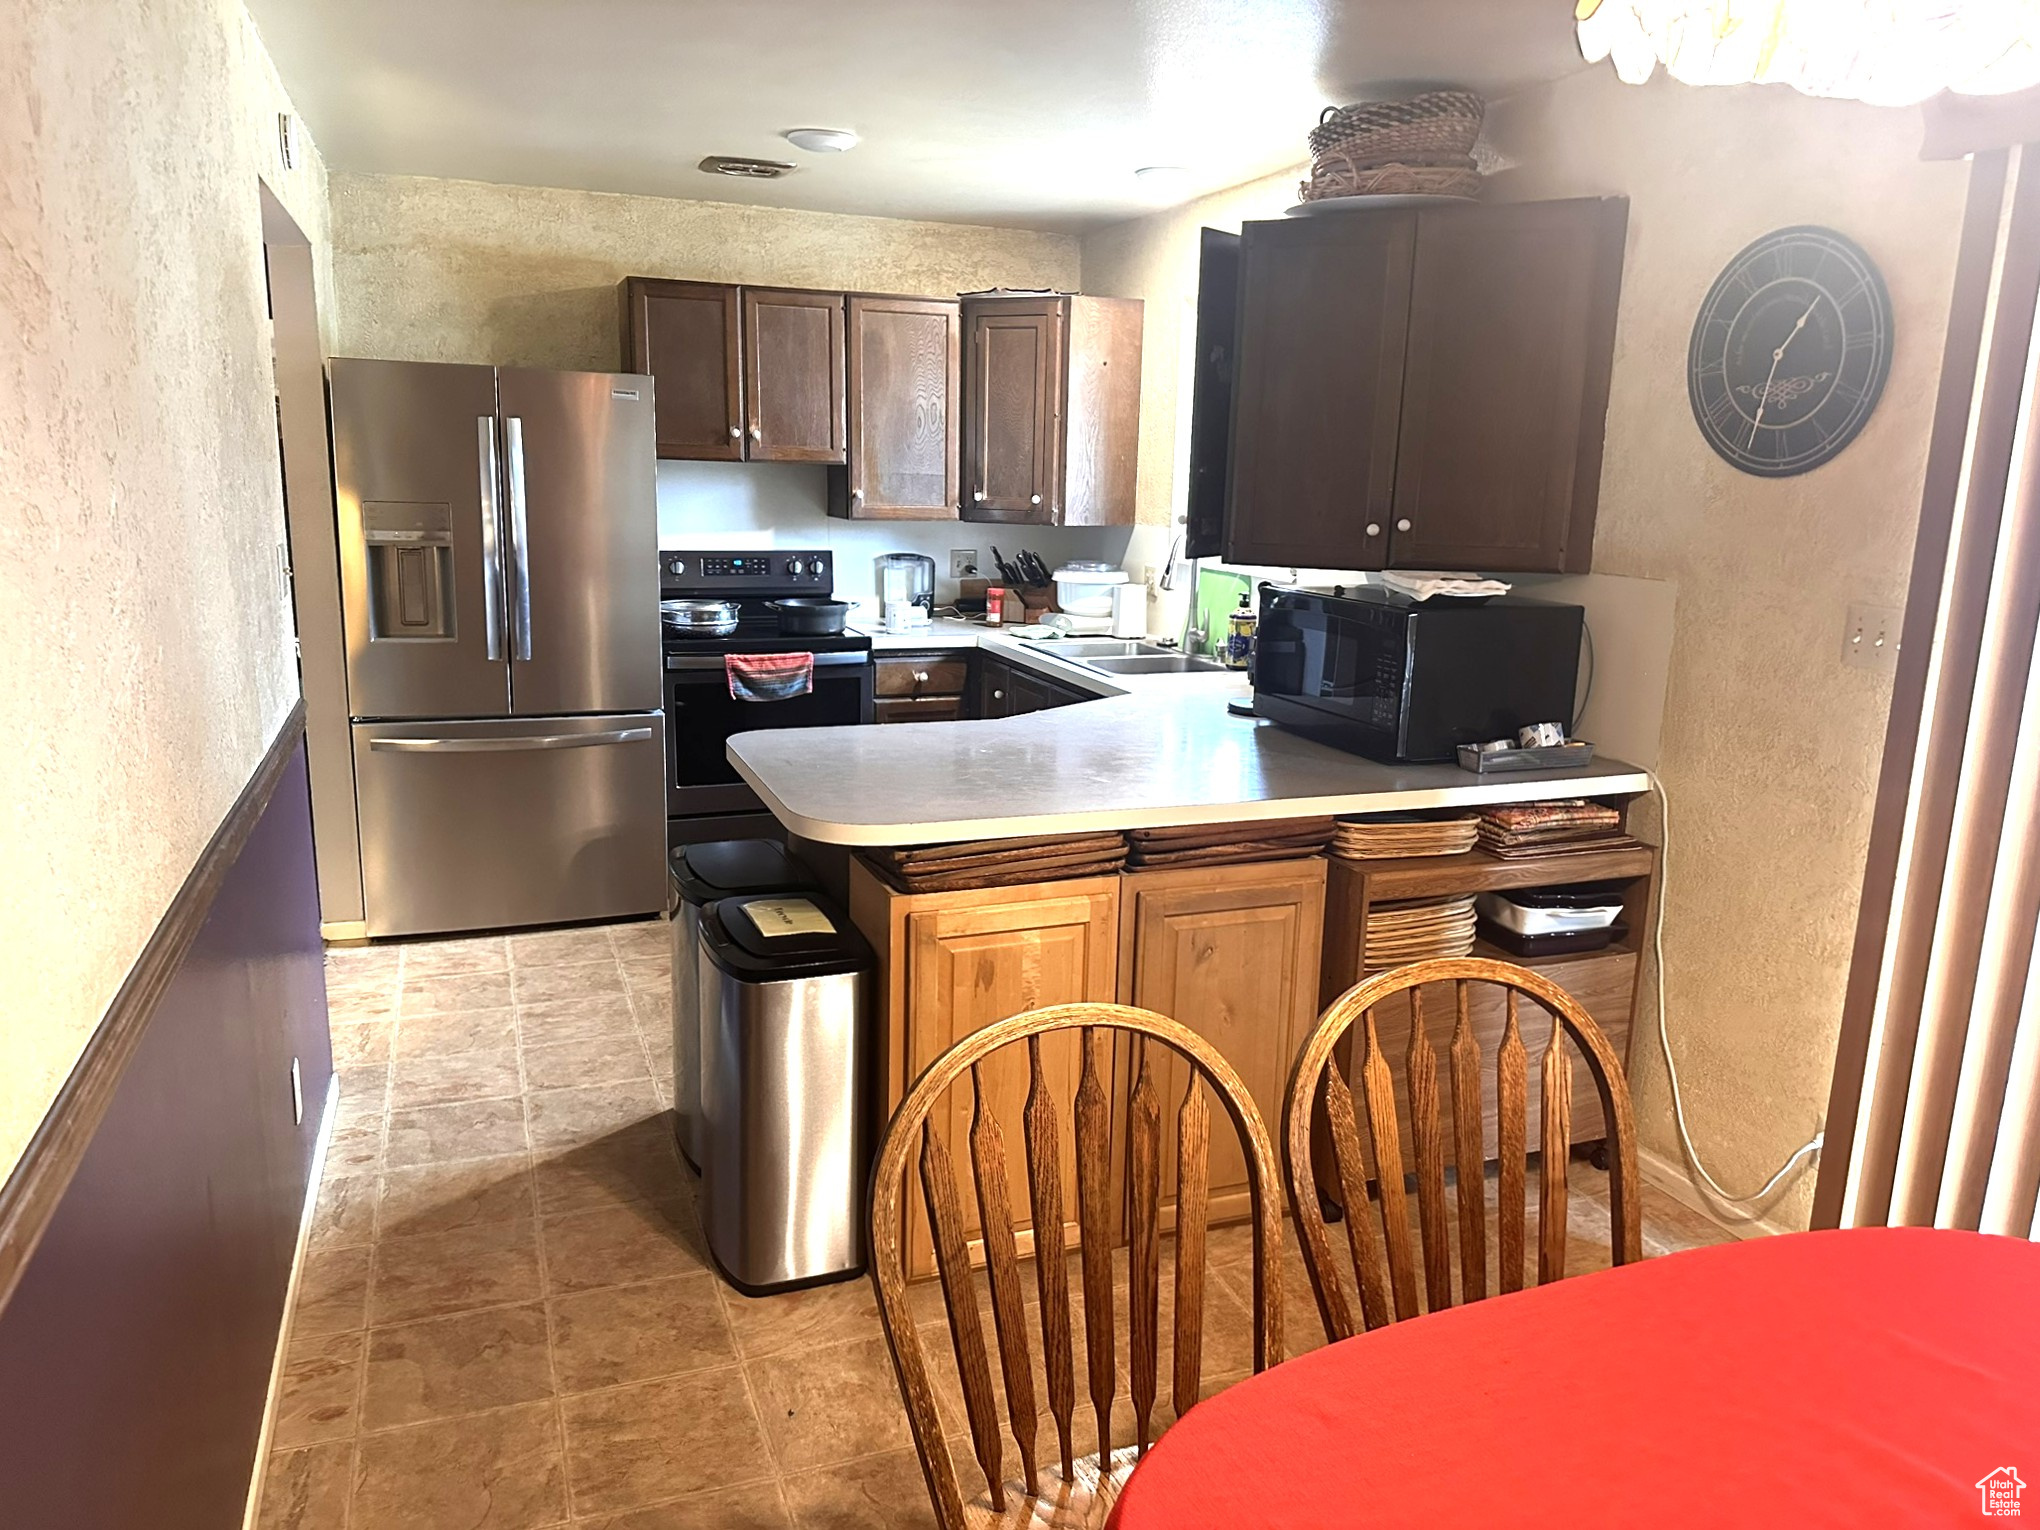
{"points": [[1935, 1108]]}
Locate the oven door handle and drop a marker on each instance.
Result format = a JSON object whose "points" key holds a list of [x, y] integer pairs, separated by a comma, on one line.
{"points": [[714, 662]]}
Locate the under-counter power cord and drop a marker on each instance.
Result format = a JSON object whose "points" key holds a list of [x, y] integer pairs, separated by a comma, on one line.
{"points": [[1800, 1154]]}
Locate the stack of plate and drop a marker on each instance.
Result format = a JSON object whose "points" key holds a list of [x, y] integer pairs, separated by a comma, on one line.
{"points": [[1229, 844], [1000, 862], [1419, 930], [1386, 836]]}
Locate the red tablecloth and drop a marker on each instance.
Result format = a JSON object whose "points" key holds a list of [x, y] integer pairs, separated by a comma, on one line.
{"points": [[1866, 1378]]}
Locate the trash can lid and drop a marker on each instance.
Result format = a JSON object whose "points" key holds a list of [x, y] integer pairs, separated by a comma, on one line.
{"points": [[777, 936], [718, 868]]}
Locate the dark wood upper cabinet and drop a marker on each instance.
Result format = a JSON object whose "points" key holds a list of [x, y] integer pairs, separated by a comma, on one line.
{"points": [[1014, 401], [1324, 312], [1424, 389], [739, 372], [1505, 391], [1051, 410], [684, 334], [905, 410], [1211, 385], [793, 375]]}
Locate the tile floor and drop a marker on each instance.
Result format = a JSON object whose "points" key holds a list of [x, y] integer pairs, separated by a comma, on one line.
{"points": [[507, 1319]]}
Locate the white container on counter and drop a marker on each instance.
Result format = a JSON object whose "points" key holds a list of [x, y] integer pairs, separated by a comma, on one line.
{"points": [[1129, 610], [1085, 589]]}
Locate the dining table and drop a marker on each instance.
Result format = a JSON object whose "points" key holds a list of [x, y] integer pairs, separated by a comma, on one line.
{"points": [[1866, 1378]]}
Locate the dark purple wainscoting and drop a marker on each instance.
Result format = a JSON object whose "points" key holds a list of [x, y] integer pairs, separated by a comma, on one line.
{"points": [[135, 1354]]}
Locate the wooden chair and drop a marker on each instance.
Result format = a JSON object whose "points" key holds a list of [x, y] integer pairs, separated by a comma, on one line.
{"points": [[1388, 1287], [1085, 1491]]}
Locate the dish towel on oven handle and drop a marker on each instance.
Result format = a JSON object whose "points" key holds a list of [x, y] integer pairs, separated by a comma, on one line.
{"points": [[769, 676]]}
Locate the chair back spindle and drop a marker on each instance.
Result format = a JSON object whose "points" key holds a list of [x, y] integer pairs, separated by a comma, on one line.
{"points": [[1002, 1268], [1051, 1276]]}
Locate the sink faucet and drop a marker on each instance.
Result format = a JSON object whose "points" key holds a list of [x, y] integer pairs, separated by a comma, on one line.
{"points": [[1194, 636]]}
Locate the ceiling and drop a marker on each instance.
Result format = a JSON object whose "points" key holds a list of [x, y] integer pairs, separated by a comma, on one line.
{"points": [[1027, 112]]}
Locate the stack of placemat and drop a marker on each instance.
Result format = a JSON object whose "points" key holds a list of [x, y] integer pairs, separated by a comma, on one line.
{"points": [[1000, 862], [1419, 930], [1527, 830], [1389, 836], [1229, 844]]}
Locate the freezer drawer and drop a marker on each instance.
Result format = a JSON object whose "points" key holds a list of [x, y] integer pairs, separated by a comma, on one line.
{"points": [[481, 825]]}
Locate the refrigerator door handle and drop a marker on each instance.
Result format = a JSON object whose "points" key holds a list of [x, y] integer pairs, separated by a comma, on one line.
{"points": [[508, 745], [492, 557], [520, 544]]}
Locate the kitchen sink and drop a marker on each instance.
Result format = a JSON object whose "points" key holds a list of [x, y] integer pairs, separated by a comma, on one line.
{"points": [[1154, 663], [1089, 648]]}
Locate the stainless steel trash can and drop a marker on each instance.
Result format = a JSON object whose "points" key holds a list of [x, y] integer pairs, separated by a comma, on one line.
{"points": [[704, 874], [786, 1056]]}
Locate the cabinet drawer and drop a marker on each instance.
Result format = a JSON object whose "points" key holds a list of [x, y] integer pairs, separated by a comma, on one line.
{"points": [[906, 709], [910, 674]]}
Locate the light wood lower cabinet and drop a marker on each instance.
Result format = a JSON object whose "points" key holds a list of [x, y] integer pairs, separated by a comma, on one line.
{"points": [[1231, 952], [950, 963], [1239, 954]]}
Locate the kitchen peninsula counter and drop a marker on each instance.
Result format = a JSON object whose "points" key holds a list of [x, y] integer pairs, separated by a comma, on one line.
{"points": [[1156, 759]]}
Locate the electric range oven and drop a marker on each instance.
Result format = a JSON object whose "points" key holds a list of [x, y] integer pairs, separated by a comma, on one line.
{"points": [[705, 797]]}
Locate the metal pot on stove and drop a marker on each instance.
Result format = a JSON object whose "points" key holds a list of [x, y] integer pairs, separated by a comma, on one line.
{"points": [[699, 618]]}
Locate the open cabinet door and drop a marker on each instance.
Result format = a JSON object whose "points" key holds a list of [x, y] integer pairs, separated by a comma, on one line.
{"points": [[1218, 299]]}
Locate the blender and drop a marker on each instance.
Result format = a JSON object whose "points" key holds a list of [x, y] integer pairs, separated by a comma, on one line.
{"points": [[906, 590]]}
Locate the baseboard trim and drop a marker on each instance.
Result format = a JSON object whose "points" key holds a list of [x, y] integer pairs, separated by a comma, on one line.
{"points": [[1673, 1180], [252, 1516], [31, 1193], [343, 931]]}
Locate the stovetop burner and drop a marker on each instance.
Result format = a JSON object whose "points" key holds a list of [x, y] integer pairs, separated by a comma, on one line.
{"points": [[752, 580]]}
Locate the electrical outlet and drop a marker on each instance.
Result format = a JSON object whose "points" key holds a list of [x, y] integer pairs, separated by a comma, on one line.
{"points": [[962, 562], [1870, 637]]}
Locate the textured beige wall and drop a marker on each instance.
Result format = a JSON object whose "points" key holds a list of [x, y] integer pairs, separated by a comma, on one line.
{"points": [[434, 270], [1770, 747], [148, 662], [1155, 259]]}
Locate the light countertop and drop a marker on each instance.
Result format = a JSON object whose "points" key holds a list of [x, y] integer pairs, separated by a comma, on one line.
{"points": [[942, 632], [1171, 754], [1040, 655]]}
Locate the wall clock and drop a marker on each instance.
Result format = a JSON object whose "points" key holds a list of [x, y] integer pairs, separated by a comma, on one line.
{"points": [[1790, 351]]}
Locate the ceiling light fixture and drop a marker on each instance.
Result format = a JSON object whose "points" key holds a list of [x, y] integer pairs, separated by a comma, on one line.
{"points": [[1163, 180], [822, 140], [1885, 52]]}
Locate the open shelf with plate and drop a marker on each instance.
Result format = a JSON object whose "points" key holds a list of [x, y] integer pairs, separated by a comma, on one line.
{"points": [[1606, 981]]}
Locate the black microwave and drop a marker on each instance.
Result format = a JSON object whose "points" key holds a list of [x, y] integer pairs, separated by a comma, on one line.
{"points": [[1370, 670]]}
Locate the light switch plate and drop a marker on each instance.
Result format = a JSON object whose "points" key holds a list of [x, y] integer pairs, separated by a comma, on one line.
{"points": [[962, 562], [1870, 637]]}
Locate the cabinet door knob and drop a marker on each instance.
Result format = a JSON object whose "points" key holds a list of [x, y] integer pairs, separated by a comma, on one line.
{"points": [[1034, 499], [1402, 525], [757, 434], [1374, 528], [979, 497], [998, 695], [736, 432], [857, 494], [920, 677]]}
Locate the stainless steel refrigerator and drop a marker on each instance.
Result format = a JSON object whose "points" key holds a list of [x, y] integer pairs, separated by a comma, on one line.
{"points": [[500, 593]]}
